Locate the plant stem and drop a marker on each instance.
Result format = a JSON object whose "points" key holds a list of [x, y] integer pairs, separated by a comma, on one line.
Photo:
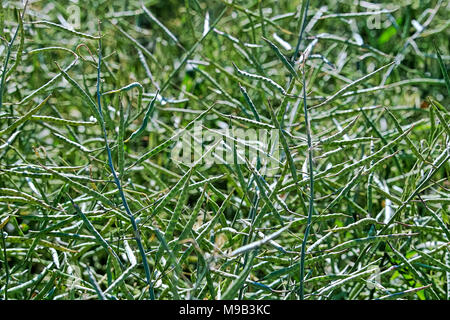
{"points": [[137, 236], [311, 193]]}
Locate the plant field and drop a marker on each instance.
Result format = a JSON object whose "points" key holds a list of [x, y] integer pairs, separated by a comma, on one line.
{"points": [[224, 150]]}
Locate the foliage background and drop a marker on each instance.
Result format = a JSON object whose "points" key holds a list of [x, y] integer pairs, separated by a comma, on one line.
{"points": [[194, 242]]}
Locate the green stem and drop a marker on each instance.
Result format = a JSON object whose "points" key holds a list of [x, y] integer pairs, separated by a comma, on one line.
{"points": [[311, 194], [137, 236]]}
